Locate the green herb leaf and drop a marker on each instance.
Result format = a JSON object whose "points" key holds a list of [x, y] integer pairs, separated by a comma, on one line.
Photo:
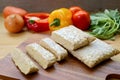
{"points": [[105, 25]]}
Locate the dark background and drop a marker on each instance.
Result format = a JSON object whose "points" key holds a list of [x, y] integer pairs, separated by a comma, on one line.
{"points": [[49, 5]]}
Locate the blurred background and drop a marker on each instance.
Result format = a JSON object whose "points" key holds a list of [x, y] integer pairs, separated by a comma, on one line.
{"points": [[49, 5]]}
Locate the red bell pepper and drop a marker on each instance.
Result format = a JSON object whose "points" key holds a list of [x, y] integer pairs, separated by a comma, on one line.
{"points": [[80, 18], [37, 22]]}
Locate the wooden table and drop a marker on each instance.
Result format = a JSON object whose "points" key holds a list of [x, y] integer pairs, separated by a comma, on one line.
{"points": [[9, 41]]}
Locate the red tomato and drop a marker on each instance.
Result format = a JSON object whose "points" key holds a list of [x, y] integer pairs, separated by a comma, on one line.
{"points": [[81, 19], [75, 9]]}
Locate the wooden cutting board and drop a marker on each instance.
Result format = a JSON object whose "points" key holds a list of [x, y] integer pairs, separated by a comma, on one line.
{"points": [[68, 69]]}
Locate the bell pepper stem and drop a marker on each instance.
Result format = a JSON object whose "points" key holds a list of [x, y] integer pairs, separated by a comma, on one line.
{"points": [[56, 22], [32, 21]]}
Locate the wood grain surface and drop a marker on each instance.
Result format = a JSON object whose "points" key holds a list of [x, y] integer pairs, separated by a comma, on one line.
{"points": [[68, 69]]}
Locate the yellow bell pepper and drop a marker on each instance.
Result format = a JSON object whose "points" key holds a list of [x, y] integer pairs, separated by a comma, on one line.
{"points": [[60, 18]]}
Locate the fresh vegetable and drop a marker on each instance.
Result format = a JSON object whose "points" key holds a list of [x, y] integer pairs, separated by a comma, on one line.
{"points": [[37, 21], [60, 18], [105, 25], [14, 23], [13, 10], [75, 9], [80, 18]]}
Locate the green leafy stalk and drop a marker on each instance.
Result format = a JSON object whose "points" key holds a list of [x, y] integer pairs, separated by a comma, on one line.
{"points": [[105, 25]]}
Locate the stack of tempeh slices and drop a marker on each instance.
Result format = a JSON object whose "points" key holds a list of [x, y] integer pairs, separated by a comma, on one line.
{"points": [[84, 47]]}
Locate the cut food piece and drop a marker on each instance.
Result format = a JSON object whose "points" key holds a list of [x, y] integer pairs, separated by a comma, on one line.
{"points": [[41, 55], [23, 62], [116, 58], [71, 37], [94, 53], [55, 48]]}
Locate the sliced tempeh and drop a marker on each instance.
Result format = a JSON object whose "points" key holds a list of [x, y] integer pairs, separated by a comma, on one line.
{"points": [[24, 63], [41, 55], [55, 48], [96, 52], [71, 37], [116, 58]]}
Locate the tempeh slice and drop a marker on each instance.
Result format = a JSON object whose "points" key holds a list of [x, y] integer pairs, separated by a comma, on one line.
{"points": [[71, 37], [96, 52], [23, 62], [41, 55], [55, 48]]}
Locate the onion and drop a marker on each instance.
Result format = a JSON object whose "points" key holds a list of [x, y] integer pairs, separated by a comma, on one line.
{"points": [[14, 23]]}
